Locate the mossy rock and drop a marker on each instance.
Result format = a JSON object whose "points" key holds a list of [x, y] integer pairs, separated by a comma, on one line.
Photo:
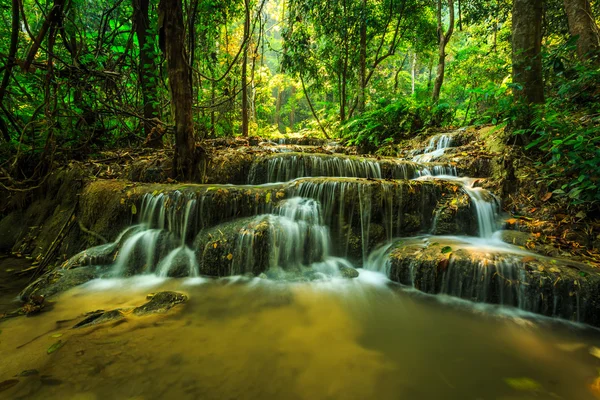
{"points": [[60, 280], [536, 284]]}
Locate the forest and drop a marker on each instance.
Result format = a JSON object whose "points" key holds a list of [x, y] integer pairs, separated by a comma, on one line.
{"points": [[80, 77], [395, 199]]}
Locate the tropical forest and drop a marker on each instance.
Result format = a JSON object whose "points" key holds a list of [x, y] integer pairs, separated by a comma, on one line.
{"points": [[300, 199]]}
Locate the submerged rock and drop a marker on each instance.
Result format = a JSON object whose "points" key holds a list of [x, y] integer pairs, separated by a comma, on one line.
{"points": [[160, 302], [100, 317], [348, 272]]}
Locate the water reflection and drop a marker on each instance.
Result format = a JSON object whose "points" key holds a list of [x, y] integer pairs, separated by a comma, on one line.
{"points": [[250, 338]]}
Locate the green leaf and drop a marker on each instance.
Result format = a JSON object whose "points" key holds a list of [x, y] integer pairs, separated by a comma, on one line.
{"points": [[55, 346], [446, 249], [133, 209], [523, 384]]}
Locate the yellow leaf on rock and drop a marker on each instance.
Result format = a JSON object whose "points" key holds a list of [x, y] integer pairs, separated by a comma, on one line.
{"points": [[229, 256], [595, 351]]}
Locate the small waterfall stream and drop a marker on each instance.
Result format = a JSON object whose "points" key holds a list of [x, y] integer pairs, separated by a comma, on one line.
{"points": [[313, 216]]}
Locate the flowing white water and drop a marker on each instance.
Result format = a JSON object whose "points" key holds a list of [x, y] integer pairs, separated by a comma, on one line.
{"points": [[483, 201], [435, 149]]}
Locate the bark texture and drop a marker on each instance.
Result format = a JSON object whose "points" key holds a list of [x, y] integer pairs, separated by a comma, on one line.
{"points": [[443, 39], [583, 25], [526, 56], [172, 41], [146, 70]]}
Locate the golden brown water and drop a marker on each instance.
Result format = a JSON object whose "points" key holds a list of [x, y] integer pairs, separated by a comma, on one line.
{"points": [[250, 340]]}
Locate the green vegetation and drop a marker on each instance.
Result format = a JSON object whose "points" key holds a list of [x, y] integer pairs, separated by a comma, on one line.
{"points": [[82, 76]]}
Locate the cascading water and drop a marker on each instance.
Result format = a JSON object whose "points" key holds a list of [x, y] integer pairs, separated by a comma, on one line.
{"points": [[353, 212], [435, 149]]}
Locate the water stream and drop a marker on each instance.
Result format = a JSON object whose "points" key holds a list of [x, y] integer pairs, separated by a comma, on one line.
{"points": [[287, 324]]}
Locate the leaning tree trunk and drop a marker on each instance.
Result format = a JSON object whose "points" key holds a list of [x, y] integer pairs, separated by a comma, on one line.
{"points": [[10, 61], [526, 57], [146, 70], [443, 38], [172, 42], [583, 25]]}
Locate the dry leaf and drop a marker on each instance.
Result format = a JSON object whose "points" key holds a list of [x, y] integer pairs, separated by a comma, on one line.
{"points": [[547, 196]]}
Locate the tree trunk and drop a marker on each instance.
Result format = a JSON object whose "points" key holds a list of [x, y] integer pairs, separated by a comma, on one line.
{"points": [[582, 24], [245, 72], [413, 74], [526, 56], [147, 70], [172, 41], [10, 62], [363, 59], [292, 116], [444, 38]]}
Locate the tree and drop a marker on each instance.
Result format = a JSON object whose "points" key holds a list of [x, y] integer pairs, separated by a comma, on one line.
{"points": [[582, 24], [172, 43], [146, 68], [10, 62], [443, 38], [526, 57], [246, 45]]}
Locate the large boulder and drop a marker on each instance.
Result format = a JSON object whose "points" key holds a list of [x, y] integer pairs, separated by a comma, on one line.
{"points": [[497, 274]]}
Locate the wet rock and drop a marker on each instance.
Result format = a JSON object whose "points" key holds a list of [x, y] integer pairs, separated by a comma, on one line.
{"points": [[348, 272], [160, 302], [533, 283], [98, 255], [60, 280], [29, 372], [517, 238], [100, 317]]}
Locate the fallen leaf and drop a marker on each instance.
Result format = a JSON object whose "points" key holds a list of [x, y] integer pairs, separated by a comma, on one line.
{"points": [[133, 209], [547, 196], [229, 256], [595, 388], [215, 245], [527, 259], [55, 346], [446, 249], [570, 346], [57, 335], [525, 384]]}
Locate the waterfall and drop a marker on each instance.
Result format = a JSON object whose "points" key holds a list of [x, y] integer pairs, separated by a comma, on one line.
{"points": [[290, 166], [435, 149]]}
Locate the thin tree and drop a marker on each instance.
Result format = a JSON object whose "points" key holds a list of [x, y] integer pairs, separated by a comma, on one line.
{"points": [[443, 39], [146, 69]]}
